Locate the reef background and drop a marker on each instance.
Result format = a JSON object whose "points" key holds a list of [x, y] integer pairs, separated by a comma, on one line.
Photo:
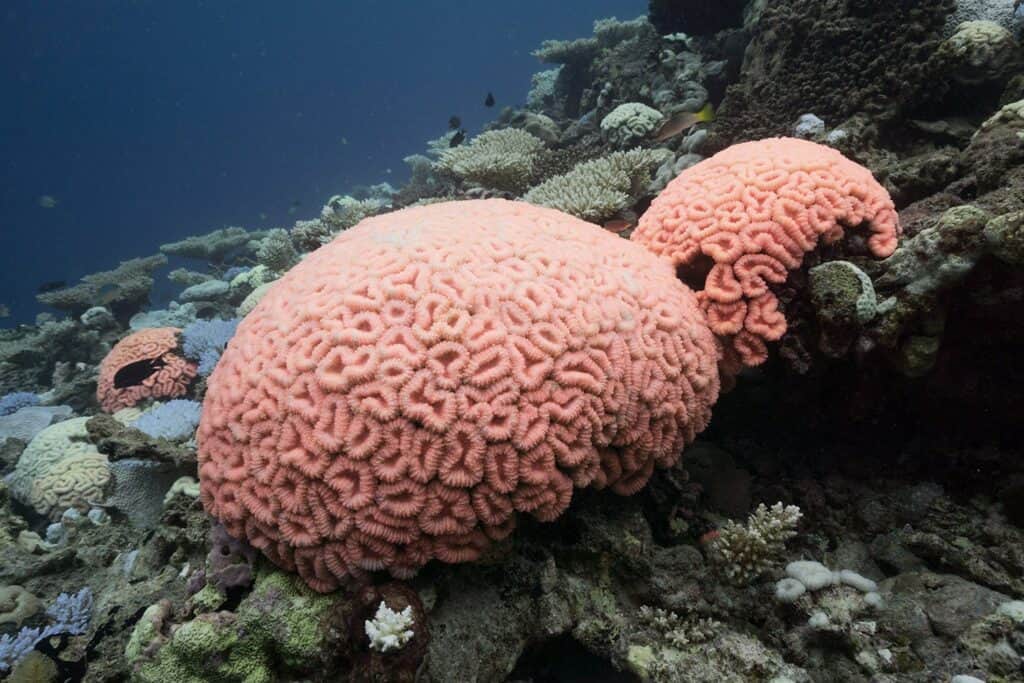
{"points": [[889, 413]]}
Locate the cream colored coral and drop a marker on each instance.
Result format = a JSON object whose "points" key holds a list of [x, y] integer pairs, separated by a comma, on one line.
{"points": [[979, 52], [746, 551], [497, 159], [59, 469], [17, 605], [599, 189], [630, 121], [250, 301]]}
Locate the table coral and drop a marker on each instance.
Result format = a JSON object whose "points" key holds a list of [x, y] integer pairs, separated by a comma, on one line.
{"points": [[406, 390], [737, 222], [169, 374]]}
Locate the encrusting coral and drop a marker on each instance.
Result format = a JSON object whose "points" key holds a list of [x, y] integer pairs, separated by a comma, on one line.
{"points": [[407, 389], [145, 364], [737, 222]]}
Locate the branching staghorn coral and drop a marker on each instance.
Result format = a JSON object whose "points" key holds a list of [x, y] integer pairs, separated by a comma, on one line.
{"points": [[496, 159], [744, 552], [599, 189]]}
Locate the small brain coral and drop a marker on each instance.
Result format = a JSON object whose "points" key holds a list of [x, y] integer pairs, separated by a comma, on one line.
{"points": [[143, 365], [737, 222], [60, 469], [406, 390]]}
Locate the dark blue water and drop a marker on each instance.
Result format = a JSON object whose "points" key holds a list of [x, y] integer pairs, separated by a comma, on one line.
{"points": [[148, 121]]}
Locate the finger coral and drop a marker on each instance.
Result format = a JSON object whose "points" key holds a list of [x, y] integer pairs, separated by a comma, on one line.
{"points": [[406, 390], [145, 364], [735, 224]]}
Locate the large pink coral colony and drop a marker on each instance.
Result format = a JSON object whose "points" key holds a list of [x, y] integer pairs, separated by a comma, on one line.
{"points": [[751, 212], [407, 389]]}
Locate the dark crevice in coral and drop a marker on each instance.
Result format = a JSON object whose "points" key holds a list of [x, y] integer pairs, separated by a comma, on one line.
{"points": [[565, 660]]}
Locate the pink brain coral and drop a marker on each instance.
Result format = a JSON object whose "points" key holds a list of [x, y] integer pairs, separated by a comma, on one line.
{"points": [[406, 390], [741, 219], [143, 365]]}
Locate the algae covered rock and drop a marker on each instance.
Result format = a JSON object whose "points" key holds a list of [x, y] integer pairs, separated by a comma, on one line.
{"points": [[277, 628]]}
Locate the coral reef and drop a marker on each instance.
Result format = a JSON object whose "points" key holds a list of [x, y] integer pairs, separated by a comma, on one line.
{"points": [[342, 440], [574, 360]]}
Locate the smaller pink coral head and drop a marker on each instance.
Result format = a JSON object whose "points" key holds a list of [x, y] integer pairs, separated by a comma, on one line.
{"points": [[734, 224], [143, 365]]}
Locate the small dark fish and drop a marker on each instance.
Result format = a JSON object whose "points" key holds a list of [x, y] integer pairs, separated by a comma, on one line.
{"points": [[134, 374], [51, 286], [618, 225], [489, 102], [47, 201], [454, 123], [682, 122], [107, 293], [457, 139]]}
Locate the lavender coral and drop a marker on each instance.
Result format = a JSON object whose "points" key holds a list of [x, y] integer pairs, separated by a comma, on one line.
{"points": [[204, 340], [15, 401], [69, 613]]}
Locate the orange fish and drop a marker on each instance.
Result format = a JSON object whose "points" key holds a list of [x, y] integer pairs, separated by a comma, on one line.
{"points": [[619, 225]]}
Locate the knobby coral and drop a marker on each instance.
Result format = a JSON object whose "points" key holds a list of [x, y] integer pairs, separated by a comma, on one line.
{"points": [[407, 389], [737, 222], [145, 364]]}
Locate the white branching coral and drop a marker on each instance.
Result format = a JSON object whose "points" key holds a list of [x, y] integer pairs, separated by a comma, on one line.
{"points": [[389, 630], [599, 189], [497, 159], [746, 551], [676, 631]]}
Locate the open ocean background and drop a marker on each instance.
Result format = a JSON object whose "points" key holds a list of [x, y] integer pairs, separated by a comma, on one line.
{"points": [[149, 121]]}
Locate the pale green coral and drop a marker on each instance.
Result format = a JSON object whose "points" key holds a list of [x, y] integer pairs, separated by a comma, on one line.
{"points": [[979, 52], [60, 469], [253, 298], [496, 159], [842, 294], [276, 252], [278, 625], [629, 122], [599, 189]]}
